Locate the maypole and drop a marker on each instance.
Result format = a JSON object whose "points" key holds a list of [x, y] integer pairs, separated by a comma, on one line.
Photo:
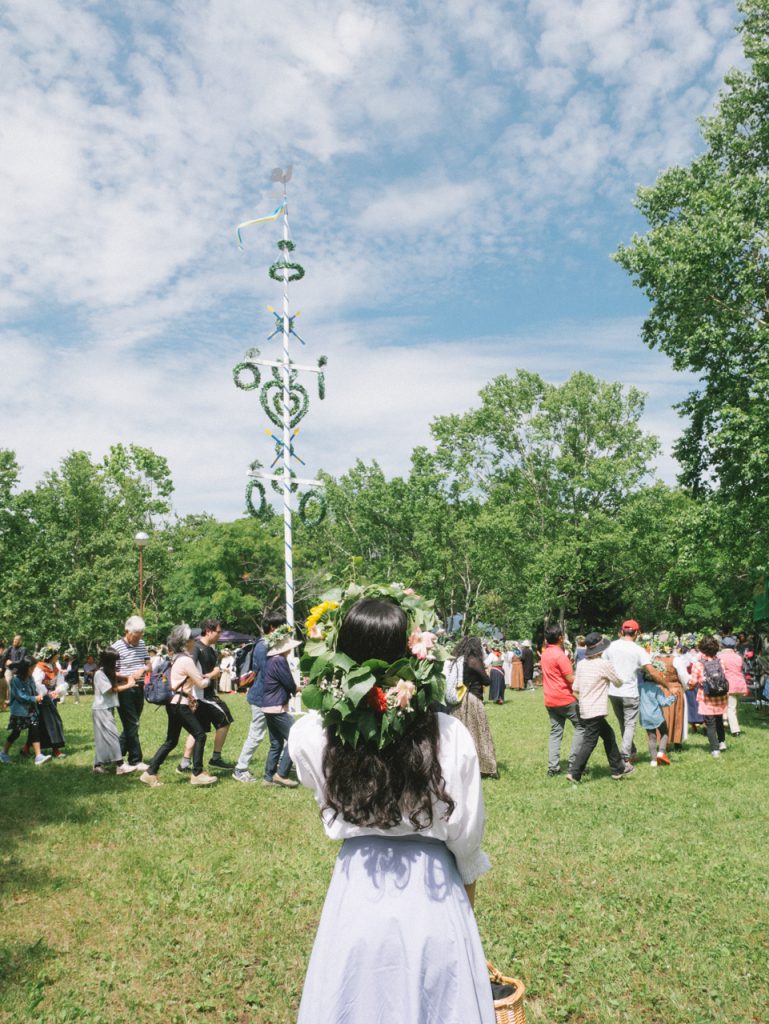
{"points": [[284, 400]]}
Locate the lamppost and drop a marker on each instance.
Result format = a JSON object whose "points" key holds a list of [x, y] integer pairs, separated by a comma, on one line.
{"points": [[141, 539]]}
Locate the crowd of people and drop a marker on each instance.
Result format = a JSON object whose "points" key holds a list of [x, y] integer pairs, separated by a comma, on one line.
{"points": [[660, 681], [394, 754], [668, 684]]}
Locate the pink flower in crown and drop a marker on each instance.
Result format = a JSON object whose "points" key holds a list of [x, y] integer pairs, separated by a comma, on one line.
{"points": [[403, 691], [409, 591], [420, 643], [316, 633]]}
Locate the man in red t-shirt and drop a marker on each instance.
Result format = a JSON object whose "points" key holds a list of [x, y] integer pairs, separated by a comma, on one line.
{"points": [[561, 704]]}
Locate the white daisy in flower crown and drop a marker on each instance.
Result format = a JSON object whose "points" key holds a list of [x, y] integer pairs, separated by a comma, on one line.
{"points": [[372, 702]]}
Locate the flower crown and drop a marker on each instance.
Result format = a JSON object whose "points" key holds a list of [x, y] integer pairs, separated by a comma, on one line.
{"points": [[278, 637], [374, 702]]}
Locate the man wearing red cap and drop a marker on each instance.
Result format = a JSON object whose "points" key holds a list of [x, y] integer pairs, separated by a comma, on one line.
{"points": [[631, 663]]}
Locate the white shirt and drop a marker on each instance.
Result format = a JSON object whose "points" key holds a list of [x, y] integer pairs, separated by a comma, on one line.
{"points": [[462, 833], [103, 694], [681, 663], [627, 658]]}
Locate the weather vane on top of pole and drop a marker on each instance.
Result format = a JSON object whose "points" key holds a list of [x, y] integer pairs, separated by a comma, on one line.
{"points": [[284, 400]]}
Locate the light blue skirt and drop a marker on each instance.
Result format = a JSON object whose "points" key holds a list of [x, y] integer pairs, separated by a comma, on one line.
{"points": [[397, 941]]}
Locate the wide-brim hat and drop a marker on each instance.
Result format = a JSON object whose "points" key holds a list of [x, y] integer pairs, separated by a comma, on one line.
{"points": [[595, 644], [284, 648]]}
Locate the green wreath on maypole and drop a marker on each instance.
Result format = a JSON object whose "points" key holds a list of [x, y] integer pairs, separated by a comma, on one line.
{"points": [[284, 400]]}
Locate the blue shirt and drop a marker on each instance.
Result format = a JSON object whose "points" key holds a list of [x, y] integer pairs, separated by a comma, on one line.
{"points": [[652, 701], [23, 696], [258, 658]]}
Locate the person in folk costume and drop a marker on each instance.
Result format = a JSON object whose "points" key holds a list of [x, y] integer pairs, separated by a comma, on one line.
{"points": [[465, 680], [399, 783], [517, 681], [496, 677], [46, 675], [675, 713]]}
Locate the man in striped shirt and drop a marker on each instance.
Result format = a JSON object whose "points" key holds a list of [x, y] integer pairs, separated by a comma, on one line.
{"points": [[132, 654]]}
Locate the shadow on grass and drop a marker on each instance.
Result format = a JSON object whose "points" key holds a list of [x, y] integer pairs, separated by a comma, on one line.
{"points": [[21, 962]]}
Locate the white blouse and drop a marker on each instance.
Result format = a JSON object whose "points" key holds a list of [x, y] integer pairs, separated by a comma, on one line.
{"points": [[462, 833]]}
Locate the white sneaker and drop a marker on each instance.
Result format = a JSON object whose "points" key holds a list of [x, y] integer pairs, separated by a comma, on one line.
{"points": [[150, 780], [722, 746], [204, 779], [140, 767], [42, 758], [126, 769], [98, 770], [715, 753], [652, 764]]}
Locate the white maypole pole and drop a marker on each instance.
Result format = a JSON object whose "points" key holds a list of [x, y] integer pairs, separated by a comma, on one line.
{"points": [[287, 534], [292, 407]]}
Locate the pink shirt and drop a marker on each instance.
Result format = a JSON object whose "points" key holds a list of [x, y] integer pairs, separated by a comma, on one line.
{"points": [[731, 662], [556, 666]]}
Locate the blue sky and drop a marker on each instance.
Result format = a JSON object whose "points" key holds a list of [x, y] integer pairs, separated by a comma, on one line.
{"points": [[462, 171]]}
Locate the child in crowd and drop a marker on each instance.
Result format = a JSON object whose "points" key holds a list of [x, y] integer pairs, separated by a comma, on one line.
{"points": [[105, 700], [652, 701], [24, 713]]}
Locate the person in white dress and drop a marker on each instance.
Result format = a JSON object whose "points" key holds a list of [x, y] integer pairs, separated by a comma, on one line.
{"points": [[400, 784]]}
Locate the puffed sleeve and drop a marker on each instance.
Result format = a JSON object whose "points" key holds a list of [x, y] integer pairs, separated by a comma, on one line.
{"points": [[466, 825], [306, 743]]}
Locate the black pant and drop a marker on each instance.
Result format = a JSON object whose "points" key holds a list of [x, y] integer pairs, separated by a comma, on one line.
{"points": [[130, 705], [593, 728], [715, 727], [33, 735], [180, 717]]}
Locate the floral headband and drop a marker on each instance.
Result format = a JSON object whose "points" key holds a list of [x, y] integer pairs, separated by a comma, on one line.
{"points": [[278, 637], [374, 702]]}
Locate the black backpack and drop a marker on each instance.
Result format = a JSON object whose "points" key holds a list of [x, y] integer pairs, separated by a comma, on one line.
{"points": [[243, 660], [715, 683]]}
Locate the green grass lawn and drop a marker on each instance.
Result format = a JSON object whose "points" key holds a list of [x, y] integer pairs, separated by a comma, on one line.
{"points": [[639, 901]]}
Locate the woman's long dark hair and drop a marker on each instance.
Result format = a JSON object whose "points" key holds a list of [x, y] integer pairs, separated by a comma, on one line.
{"points": [[108, 664], [378, 788]]}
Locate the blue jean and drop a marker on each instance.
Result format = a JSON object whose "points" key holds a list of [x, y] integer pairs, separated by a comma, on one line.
{"points": [[558, 718], [278, 759]]}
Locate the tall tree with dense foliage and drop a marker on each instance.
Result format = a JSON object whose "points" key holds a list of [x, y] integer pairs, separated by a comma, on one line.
{"points": [[704, 264]]}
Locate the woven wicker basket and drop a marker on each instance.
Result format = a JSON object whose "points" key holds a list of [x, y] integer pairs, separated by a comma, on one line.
{"points": [[509, 1010]]}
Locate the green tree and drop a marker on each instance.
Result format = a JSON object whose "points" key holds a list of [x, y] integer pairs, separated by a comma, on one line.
{"points": [[704, 264], [552, 467]]}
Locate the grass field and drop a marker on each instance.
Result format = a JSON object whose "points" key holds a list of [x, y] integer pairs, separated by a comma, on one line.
{"points": [[642, 902]]}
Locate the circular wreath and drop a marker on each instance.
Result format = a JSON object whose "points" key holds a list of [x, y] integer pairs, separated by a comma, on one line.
{"points": [[374, 702], [276, 270], [261, 511], [312, 508], [246, 385]]}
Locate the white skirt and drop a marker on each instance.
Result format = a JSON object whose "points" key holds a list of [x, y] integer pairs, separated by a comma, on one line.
{"points": [[397, 940]]}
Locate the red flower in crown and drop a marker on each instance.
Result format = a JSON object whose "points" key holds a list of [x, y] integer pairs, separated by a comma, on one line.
{"points": [[377, 699]]}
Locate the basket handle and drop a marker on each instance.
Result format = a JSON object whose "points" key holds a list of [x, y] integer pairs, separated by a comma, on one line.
{"points": [[494, 974]]}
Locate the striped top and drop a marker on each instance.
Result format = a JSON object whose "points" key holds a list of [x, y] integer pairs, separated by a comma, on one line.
{"points": [[130, 659]]}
